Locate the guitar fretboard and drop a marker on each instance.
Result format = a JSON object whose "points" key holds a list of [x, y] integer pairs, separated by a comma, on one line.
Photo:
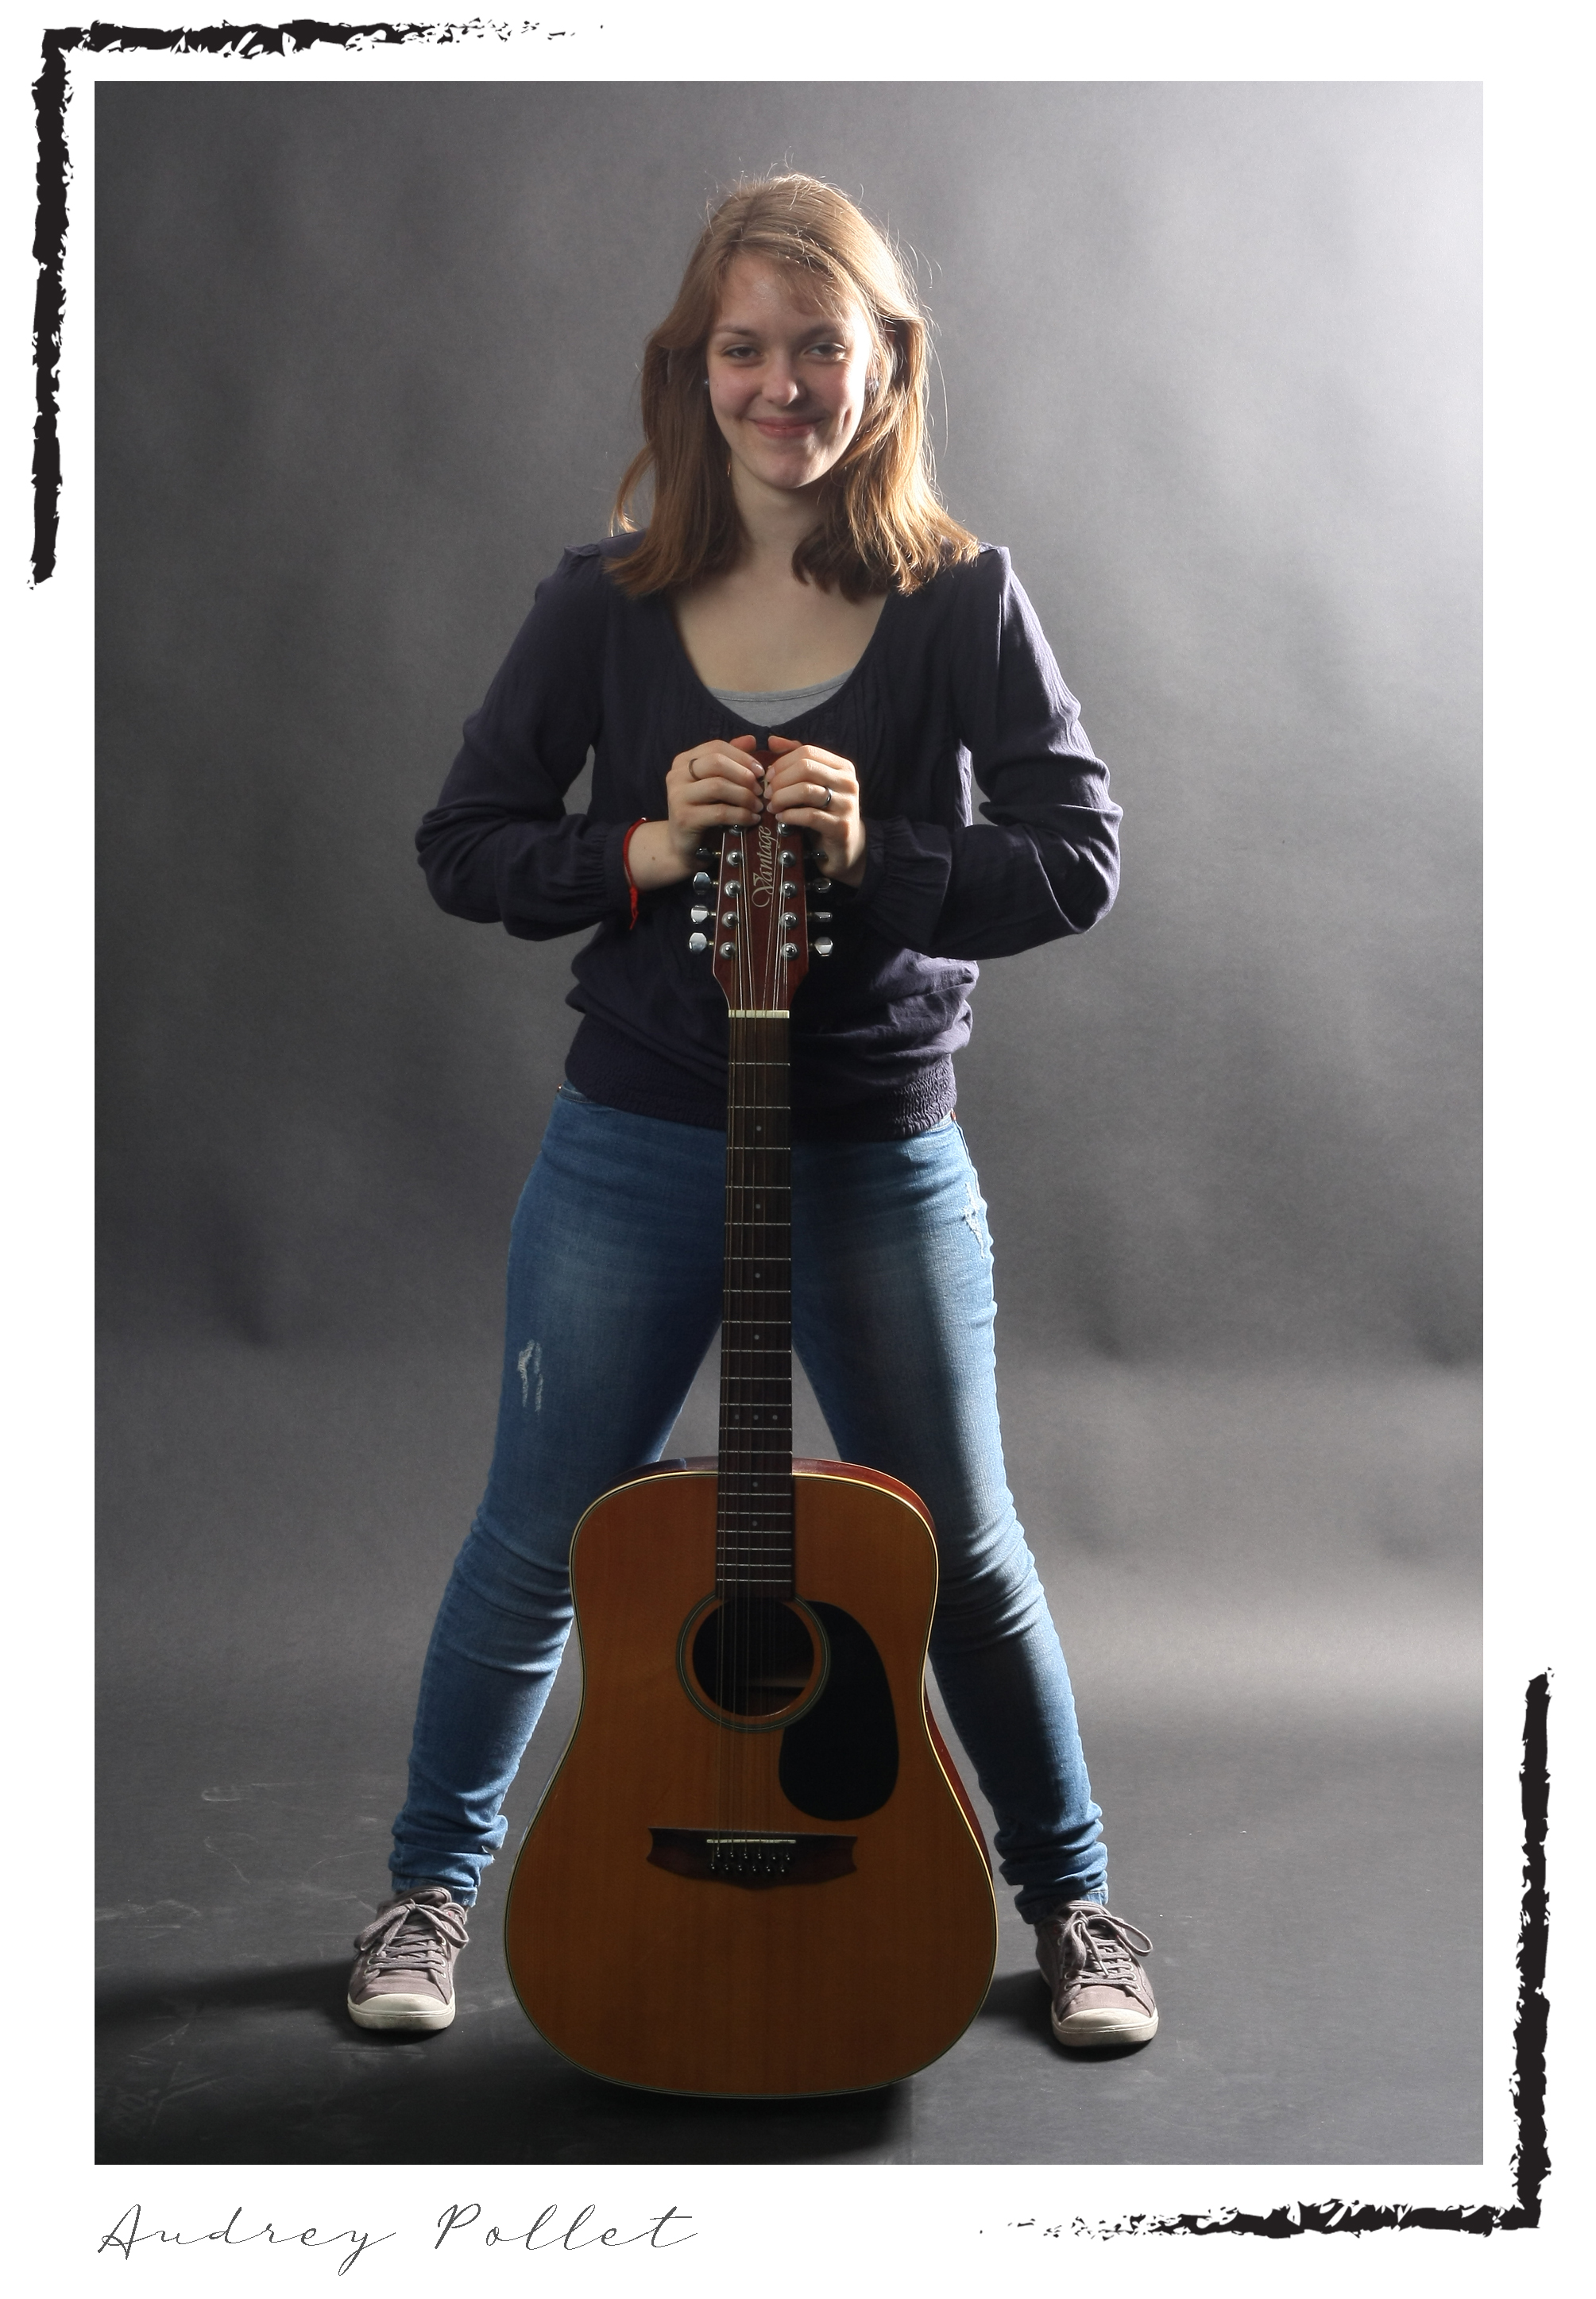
{"points": [[755, 1519]]}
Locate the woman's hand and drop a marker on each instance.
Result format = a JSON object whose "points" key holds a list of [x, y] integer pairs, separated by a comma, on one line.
{"points": [[713, 784], [815, 790]]}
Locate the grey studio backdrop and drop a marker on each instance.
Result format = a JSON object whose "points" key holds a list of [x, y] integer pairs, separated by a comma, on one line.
{"points": [[1208, 366]]}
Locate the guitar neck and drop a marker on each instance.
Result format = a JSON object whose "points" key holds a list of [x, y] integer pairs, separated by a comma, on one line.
{"points": [[761, 947], [754, 1550]]}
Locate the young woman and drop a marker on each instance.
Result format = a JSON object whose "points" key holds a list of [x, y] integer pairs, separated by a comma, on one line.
{"points": [[799, 586]]}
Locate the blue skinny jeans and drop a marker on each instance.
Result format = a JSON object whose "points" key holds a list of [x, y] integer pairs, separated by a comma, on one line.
{"points": [[614, 1301]]}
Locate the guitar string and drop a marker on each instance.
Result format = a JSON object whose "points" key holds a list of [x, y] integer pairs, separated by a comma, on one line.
{"points": [[762, 1614], [767, 1615], [737, 1513], [743, 1617], [752, 1632], [732, 914], [774, 1172], [723, 1503], [752, 1621], [748, 1387], [764, 1160], [735, 914]]}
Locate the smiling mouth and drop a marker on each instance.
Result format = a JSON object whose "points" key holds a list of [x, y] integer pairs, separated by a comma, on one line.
{"points": [[787, 427]]}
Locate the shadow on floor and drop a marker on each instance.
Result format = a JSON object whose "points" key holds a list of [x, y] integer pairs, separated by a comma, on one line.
{"points": [[1265, 1868], [294, 2090]]}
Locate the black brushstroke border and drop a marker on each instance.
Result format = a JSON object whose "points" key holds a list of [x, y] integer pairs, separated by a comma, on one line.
{"points": [[53, 174], [1531, 2161]]}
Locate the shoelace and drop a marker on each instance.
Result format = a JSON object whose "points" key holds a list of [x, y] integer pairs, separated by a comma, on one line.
{"points": [[413, 1936], [1100, 1950]]}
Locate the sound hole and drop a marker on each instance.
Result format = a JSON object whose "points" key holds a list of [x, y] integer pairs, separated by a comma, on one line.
{"points": [[753, 1656]]}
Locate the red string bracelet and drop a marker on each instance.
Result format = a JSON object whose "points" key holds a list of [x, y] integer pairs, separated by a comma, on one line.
{"points": [[625, 849]]}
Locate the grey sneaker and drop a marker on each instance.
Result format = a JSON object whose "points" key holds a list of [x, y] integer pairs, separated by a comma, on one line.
{"points": [[403, 1973], [1091, 1962]]}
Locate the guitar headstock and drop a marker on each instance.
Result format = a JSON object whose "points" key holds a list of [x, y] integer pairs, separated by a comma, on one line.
{"points": [[760, 937]]}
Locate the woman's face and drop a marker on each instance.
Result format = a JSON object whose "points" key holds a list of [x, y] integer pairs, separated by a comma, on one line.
{"points": [[787, 380]]}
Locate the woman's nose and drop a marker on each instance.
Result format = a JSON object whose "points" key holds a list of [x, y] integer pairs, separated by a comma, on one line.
{"points": [[782, 387]]}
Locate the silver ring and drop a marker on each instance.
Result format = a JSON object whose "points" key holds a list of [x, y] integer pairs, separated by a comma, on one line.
{"points": [[827, 788]]}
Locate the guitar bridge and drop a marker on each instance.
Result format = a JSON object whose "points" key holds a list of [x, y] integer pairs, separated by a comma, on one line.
{"points": [[750, 1857]]}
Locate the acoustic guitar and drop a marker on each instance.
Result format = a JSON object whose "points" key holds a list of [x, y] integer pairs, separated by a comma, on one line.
{"points": [[755, 1871]]}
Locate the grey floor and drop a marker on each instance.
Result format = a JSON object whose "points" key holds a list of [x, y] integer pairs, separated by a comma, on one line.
{"points": [[1267, 1586]]}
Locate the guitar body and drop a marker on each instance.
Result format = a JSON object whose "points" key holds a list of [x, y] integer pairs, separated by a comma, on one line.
{"points": [[780, 1897]]}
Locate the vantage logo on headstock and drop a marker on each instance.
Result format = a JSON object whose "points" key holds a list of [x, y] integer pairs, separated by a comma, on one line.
{"points": [[763, 861]]}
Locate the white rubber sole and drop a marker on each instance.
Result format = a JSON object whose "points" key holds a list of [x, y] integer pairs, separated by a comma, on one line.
{"points": [[1097, 2031], [420, 2014]]}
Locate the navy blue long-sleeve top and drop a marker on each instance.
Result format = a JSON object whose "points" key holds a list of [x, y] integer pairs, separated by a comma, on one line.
{"points": [[957, 687]]}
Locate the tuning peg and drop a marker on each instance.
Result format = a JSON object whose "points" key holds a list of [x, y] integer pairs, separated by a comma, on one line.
{"points": [[820, 917], [789, 950], [698, 941], [822, 949], [698, 914], [727, 948], [701, 878]]}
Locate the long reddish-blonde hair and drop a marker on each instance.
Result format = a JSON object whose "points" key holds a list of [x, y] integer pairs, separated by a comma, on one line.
{"points": [[883, 525]]}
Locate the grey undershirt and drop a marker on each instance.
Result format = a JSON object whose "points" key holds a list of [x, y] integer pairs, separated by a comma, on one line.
{"points": [[774, 705]]}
